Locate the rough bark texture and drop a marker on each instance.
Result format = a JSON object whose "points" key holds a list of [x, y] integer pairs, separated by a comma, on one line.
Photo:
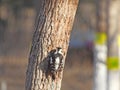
{"points": [[53, 27]]}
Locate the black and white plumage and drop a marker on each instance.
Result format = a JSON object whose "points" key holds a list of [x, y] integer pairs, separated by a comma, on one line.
{"points": [[55, 61]]}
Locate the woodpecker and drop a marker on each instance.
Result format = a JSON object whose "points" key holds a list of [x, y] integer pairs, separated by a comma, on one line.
{"points": [[56, 61]]}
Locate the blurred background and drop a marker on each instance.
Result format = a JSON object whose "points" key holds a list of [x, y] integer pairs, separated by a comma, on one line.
{"points": [[17, 19]]}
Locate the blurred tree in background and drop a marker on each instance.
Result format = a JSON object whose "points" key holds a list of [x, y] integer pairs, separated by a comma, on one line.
{"points": [[14, 18]]}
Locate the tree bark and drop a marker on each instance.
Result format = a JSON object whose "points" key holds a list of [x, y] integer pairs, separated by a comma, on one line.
{"points": [[53, 27], [113, 47], [100, 47]]}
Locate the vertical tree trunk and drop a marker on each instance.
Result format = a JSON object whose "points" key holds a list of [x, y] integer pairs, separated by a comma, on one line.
{"points": [[53, 28], [113, 56], [119, 37], [100, 47]]}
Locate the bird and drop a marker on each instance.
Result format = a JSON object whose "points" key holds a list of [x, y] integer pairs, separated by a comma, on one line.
{"points": [[56, 61]]}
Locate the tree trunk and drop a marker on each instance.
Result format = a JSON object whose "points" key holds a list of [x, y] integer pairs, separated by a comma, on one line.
{"points": [[100, 47], [52, 30], [113, 50]]}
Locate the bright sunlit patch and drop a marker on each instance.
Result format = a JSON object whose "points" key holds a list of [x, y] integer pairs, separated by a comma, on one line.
{"points": [[119, 40]]}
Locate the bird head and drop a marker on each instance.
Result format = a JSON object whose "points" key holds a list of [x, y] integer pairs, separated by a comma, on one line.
{"points": [[59, 50]]}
